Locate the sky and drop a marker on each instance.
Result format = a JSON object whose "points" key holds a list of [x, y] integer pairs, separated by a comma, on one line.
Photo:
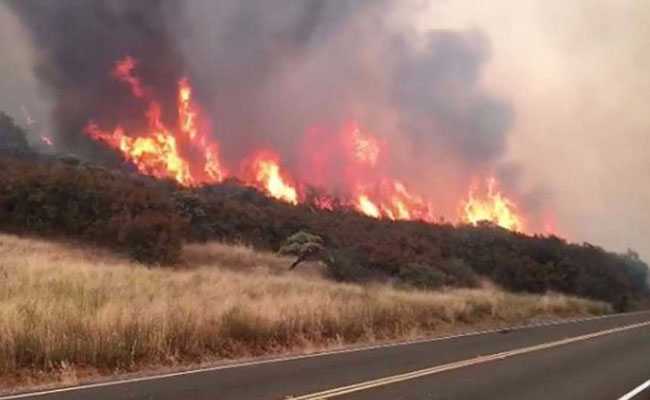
{"points": [[575, 74]]}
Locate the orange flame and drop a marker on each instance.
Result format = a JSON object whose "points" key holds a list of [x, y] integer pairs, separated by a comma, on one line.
{"points": [[186, 154], [186, 114], [161, 152], [324, 202], [393, 201], [493, 207], [266, 173], [124, 72], [366, 206]]}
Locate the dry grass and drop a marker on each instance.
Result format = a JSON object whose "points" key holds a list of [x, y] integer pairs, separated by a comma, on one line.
{"points": [[64, 309]]}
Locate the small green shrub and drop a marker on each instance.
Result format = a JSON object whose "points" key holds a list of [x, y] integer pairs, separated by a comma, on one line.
{"points": [[154, 237], [347, 265], [421, 276], [301, 244], [459, 273]]}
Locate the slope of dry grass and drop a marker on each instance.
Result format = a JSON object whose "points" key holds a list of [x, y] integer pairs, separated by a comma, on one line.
{"points": [[64, 309]]}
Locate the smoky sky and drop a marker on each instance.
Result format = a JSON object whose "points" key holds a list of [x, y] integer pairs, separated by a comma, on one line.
{"points": [[267, 72], [437, 91], [76, 45]]}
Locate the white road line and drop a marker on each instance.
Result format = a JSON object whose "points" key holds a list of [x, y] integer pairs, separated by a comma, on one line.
{"points": [[306, 356], [328, 394], [636, 391]]}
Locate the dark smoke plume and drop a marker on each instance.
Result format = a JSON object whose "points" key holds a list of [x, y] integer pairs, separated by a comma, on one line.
{"points": [[267, 72], [77, 44]]}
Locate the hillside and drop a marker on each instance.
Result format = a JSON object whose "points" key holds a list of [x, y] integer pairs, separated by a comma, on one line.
{"points": [[70, 312], [149, 220], [106, 271]]}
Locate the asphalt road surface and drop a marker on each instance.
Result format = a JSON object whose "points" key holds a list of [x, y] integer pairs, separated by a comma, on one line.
{"points": [[603, 358]]}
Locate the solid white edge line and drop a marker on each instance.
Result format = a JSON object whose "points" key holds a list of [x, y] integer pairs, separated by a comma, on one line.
{"points": [[306, 356], [636, 391], [375, 383]]}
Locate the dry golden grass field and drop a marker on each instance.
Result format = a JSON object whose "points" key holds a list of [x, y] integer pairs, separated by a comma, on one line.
{"points": [[69, 312]]}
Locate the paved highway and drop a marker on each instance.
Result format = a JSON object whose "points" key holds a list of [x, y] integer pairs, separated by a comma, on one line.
{"points": [[603, 358]]}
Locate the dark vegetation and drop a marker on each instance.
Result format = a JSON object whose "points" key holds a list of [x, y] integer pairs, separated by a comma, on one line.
{"points": [[62, 196], [12, 137]]}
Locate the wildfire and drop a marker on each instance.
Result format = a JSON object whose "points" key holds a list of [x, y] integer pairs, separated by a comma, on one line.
{"points": [[365, 147], [493, 207], [324, 202], [366, 206], [162, 152], [393, 201], [123, 71], [266, 173], [186, 114], [350, 163]]}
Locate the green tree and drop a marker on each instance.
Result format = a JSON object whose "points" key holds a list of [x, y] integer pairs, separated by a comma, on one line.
{"points": [[303, 245]]}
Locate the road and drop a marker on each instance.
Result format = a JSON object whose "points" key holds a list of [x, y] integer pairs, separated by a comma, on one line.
{"points": [[602, 358]]}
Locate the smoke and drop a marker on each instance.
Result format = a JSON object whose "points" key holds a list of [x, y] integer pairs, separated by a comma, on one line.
{"points": [[438, 94], [21, 97], [288, 76], [577, 76], [77, 44], [268, 73], [550, 97]]}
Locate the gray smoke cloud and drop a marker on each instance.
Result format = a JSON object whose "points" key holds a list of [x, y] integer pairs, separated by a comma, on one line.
{"points": [[268, 72], [76, 45], [438, 94], [267, 80], [577, 77], [21, 96]]}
